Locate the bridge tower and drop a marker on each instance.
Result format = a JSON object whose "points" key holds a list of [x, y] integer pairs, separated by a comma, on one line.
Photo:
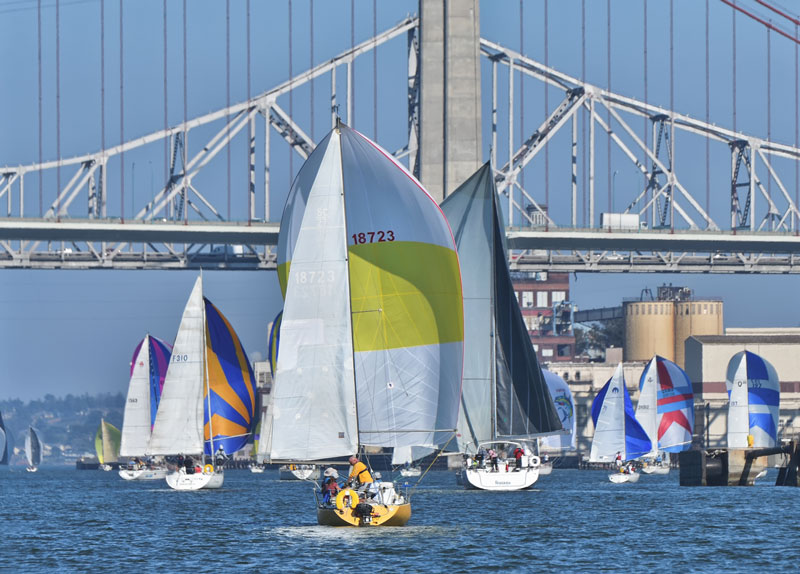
{"points": [[450, 99]]}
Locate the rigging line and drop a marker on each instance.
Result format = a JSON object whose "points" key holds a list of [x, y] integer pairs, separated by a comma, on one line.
{"points": [[291, 93], [733, 5], [311, 65], [121, 117], [583, 123], [794, 21], [58, 111], [166, 117], [185, 146], [707, 118], [796, 122], [228, 96], [375, 68], [522, 87], [351, 92], [39, 44], [608, 111], [769, 101], [733, 60], [250, 153], [645, 117], [419, 480], [546, 114]]}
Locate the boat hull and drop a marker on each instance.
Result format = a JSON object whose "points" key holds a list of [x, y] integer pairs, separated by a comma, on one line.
{"points": [[143, 474], [179, 480], [299, 473], [502, 480], [409, 472], [545, 468], [655, 470], [620, 477], [382, 515], [257, 469]]}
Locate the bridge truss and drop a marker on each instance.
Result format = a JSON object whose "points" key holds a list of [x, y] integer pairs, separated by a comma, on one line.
{"points": [[182, 224]]}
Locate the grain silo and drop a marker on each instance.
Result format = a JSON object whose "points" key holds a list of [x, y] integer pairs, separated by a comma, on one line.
{"points": [[661, 325], [694, 318], [649, 329]]}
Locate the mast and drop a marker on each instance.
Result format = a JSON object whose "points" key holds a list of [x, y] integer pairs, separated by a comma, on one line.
{"points": [[207, 386], [493, 314], [347, 270]]}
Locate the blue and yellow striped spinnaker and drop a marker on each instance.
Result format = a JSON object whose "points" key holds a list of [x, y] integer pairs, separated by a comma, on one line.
{"points": [[231, 383]]}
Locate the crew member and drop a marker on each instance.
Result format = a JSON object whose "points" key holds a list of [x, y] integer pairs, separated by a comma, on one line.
{"points": [[359, 474]]}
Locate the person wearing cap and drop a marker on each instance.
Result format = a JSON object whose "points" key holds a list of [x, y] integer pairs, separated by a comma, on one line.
{"points": [[329, 485]]}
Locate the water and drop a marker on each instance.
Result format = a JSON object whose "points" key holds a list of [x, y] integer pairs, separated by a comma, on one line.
{"points": [[574, 521]]}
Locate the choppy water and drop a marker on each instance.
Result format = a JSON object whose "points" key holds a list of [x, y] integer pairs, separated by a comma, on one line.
{"points": [[574, 521]]}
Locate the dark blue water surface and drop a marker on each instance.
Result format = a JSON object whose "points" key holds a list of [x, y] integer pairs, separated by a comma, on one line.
{"points": [[573, 521]]}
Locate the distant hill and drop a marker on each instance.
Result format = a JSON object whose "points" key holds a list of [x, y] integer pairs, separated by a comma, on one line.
{"points": [[66, 425]]}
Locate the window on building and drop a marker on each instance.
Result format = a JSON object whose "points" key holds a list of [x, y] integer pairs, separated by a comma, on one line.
{"points": [[558, 296], [577, 375], [516, 295], [527, 299], [547, 352], [541, 299], [564, 350]]}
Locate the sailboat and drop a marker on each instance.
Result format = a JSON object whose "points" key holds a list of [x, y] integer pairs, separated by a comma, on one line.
{"points": [[372, 329], [505, 403], [754, 394], [148, 371], [33, 450], [4, 443], [665, 411], [406, 458], [106, 444], [565, 407], [208, 402], [617, 433]]}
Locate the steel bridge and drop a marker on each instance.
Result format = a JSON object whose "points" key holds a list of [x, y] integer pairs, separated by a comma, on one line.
{"points": [[181, 225]]}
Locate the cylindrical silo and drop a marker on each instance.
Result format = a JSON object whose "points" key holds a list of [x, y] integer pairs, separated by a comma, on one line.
{"points": [[697, 317], [649, 330]]}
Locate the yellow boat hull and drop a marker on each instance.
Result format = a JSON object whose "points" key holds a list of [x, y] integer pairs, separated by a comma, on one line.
{"points": [[382, 515]]}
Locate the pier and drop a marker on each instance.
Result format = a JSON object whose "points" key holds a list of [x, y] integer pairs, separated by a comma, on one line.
{"points": [[736, 466]]}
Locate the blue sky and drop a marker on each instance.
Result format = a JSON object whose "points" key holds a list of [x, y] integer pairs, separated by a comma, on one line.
{"points": [[74, 331]]}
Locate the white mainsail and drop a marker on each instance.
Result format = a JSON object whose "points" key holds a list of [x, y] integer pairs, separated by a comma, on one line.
{"points": [[178, 428], [136, 420]]}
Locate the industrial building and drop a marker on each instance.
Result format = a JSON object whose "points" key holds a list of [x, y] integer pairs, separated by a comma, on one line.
{"points": [[548, 314]]}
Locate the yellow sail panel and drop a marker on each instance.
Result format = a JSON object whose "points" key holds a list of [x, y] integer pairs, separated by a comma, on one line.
{"points": [[404, 294]]}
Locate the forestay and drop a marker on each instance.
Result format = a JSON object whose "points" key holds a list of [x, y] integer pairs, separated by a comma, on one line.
{"points": [[754, 401], [372, 328]]}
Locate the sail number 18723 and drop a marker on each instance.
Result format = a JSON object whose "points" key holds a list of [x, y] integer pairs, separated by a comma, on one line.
{"points": [[373, 236]]}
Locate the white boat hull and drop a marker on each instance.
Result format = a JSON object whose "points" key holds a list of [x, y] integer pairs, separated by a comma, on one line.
{"points": [[502, 480], [545, 468], [31, 469], [620, 477], [106, 467], [299, 473], [257, 469], [179, 480], [143, 473], [409, 472], [655, 469]]}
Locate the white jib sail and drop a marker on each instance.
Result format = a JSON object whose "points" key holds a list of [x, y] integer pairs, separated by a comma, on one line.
{"points": [[136, 421], [314, 413], [609, 434], [179, 421], [647, 407]]}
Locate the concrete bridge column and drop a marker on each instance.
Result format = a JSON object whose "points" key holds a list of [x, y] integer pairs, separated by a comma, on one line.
{"points": [[450, 99]]}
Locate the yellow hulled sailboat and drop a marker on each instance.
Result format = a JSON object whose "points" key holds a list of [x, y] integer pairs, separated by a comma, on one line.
{"points": [[372, 329]]}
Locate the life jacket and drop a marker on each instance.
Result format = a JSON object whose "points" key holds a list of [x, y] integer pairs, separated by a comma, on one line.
{"points": [[361, 473], [330, 485]]}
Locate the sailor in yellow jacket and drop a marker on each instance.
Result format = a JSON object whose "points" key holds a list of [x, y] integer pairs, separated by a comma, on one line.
{"points": [[359, 476]]}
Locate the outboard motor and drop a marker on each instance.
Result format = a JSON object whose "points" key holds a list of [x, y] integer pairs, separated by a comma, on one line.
{"points": [[364, 512]]}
